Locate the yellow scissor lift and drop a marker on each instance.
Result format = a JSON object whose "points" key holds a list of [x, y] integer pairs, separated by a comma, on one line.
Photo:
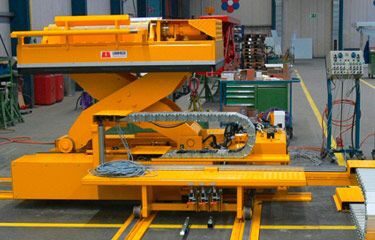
{"points": [[106, 55]]}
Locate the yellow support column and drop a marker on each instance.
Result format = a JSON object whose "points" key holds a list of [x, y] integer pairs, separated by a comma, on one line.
{"points": [[255, 222], [239, 202]]}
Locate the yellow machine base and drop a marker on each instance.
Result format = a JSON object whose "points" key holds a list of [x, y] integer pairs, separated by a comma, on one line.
{"points": [[66, 176], [346, 195]]}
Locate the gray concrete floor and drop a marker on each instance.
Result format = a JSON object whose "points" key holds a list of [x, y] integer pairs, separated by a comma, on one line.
{"points": [[49, 122]]}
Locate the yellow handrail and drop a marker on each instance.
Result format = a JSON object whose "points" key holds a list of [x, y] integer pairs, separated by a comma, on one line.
{"points": [[95, 20], [71, 32]]}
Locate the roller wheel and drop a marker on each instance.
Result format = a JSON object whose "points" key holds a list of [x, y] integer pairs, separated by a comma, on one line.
{"points": [[247, 213], [137, 212]]}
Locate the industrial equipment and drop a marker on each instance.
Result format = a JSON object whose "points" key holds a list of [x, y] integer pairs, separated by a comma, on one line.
{"points": [[345, 64], [344, 67], [9, 109], [367, 29], [174, 164]]}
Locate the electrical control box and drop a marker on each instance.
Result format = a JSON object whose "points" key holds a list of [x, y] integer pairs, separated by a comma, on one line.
{"points": [[345, 64]]}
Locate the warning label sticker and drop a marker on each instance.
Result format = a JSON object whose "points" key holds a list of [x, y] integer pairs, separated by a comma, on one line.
{"points": [[113, 54]]}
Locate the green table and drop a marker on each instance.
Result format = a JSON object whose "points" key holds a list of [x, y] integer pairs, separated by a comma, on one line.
{"points": [[259, 94]]}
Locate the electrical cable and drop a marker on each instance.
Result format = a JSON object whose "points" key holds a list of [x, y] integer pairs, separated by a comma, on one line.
{"points": [[124, 142], [120, 168], [341, 107], [366, 138], [168, 126], [22, 140], [304, 154]]}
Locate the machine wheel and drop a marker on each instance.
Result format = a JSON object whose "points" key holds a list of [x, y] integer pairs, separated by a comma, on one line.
{"points": [[247, 213], [137, 211]]}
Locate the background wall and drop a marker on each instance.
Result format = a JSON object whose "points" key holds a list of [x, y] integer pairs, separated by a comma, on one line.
{"points": [[4, 27], [356, 11], [308, 19], [250, 13], [98, 7], [130, 7], [42, 12]]}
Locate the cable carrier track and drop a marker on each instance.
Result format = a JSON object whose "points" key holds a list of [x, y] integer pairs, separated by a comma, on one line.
{"points": [[227, 117]]}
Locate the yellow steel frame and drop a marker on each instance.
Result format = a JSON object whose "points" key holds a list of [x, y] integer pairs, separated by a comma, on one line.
{"points": [[167, 41], [347, 195]]}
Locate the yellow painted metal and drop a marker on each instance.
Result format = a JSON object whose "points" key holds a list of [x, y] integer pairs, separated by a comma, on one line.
{"points": [[256, 220], [150, 150], [68, 21], [177, 40], [123, 227], [4, 195], [57, 225], [58, 176], [101, 85], [5, 179], [81, 40], [347, 195], [205, 178], [286, 197], [140, 228], [240, 200], [328, 179], [238, 229], [64, 144], [147, 198], [193, 226], [352, 164], [278, 145], [278, 197], [141, 95], [213, 30]]}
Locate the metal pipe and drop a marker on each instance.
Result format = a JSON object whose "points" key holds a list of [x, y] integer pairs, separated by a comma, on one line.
{"points": [[185, 227], [329, 118], [101, 141], [357, 115]]}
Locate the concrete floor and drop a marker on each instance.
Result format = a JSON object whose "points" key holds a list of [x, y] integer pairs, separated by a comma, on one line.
{"points": [[49, 122]]}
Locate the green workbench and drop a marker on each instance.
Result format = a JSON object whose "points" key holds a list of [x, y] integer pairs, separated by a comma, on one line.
{"points": [[258, 94]]}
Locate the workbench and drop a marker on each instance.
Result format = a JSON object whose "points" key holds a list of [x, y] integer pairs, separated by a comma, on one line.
{"points": [[259, 94]]}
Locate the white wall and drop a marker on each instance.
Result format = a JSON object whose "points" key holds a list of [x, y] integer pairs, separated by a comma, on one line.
{"points": [[43, 12], [250, 13], [98, 7], [356, 11], [298, 22], [5, 28]]}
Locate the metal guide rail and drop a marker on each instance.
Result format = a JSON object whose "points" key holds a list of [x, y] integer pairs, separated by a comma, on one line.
{"points": [[206, 187], [364, 214], [243, 121]]}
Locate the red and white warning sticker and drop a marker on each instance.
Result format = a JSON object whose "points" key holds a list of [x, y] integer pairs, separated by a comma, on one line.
{"points": [[113, 54]]}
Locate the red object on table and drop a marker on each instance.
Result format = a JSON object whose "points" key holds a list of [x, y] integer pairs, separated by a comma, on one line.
{"points": [[44, 89], [59, 80]]}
